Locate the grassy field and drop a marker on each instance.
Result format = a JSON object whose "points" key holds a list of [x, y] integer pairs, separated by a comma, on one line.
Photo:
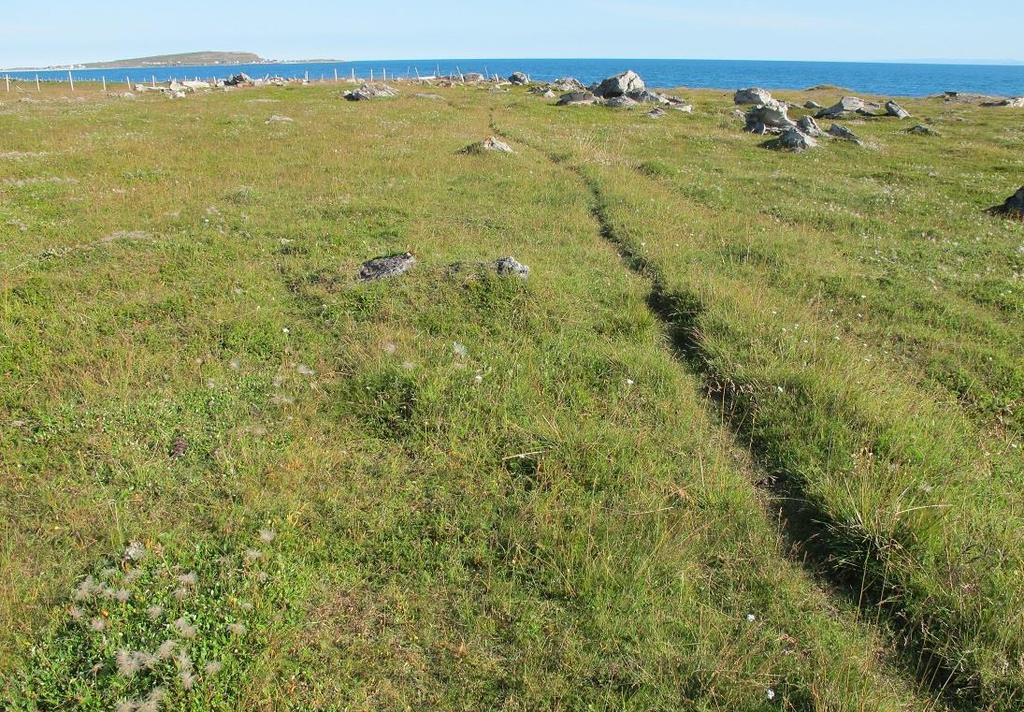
{"points": [[747, 438]]}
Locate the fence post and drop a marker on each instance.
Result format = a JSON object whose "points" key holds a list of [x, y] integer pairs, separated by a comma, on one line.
{"points": [[335, 74], [104, 83], [72, 80], [7, 79], [37, 84]]}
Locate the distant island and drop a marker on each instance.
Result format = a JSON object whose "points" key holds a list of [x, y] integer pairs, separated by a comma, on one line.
{"points": [[184, 58]]}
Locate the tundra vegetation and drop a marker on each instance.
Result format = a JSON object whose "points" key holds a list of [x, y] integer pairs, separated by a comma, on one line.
{"points": [[746, 437]]}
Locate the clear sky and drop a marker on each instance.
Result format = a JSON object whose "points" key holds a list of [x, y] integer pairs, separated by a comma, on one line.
{"points": [[66, 31]]}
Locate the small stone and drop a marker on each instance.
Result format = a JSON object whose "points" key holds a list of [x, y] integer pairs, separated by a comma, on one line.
{"points": [[488, 144], [389, 266], [922, 130], [510, 266], [841, 132]]}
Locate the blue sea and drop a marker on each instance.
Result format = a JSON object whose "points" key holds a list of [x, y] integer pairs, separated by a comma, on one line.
{"points": [[872, 78]]}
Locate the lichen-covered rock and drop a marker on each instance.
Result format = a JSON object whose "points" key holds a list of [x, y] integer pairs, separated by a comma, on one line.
{"points": [[490, 143], [627, 82], [518, 78], [795, 140], [238, 79], [843, 133], [371, 91], [771, 117], [922, 130], [510, 266], [847, 106], [388, 266], [894, 109], [809, 127], [753, 95], [620, 102], [577, 98]]}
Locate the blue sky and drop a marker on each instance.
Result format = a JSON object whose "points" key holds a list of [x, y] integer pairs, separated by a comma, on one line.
{"points": [[65, 31]]}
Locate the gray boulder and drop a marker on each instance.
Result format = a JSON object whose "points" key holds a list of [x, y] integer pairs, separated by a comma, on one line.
{"points": [[577, 98], [813, 105], [567, 84], [843, 133], [383, 267], [473, 77], [238, 79], [795, 140], [518, 79], [848, 105], [771, 117], [809, 127], [371, 91], [648, 97], [894, 109], [626, 83], [620, 102], [1013, 207], [510, 266], [922, 130], [753, 95]]}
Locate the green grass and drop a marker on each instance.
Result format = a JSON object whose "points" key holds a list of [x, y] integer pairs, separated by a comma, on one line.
{"points": [[769, 460]]}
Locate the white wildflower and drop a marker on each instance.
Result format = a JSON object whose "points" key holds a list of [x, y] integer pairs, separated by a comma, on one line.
{"points": [[213, 667], [187, 679], [751, 618], [771, 694], [166, 649], [253, 554], [98, 624], [184, 628], [135, 551], [122, 595], [267, 535], [87, 589], [127, 663], [154, 612], [237, 628], [189, 579], [460, 350]]}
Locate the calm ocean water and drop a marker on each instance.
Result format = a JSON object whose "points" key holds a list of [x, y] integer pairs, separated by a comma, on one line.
{"points": [[875, 78]]}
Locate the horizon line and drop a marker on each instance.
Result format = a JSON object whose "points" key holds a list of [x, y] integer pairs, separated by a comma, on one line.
{"points": [[948, 61]]}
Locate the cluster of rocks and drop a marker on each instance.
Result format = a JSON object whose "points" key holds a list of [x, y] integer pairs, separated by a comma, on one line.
{"points": [[395, 265], [768, 115], [625, 90], [371, 91], [851, 106], [956, 97]]}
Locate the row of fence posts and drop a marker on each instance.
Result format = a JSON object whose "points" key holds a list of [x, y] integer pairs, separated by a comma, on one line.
{"points": [[352, 78]]}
